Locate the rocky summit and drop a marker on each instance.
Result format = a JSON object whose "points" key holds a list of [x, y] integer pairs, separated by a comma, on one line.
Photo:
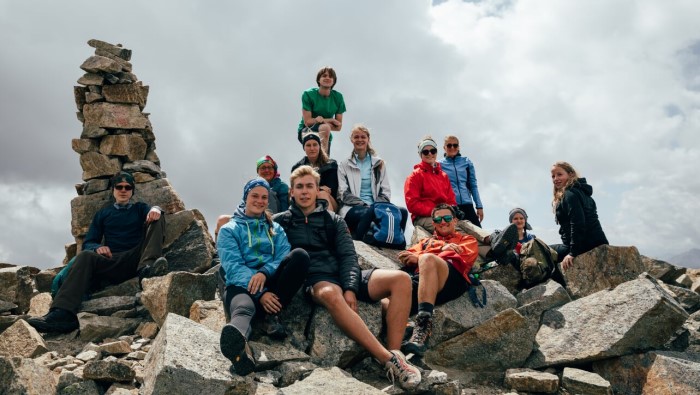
{"points": [[621, 323]]}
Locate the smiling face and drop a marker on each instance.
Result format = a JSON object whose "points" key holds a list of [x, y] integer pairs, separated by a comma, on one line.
{"points": [[360, 141], [429, 154], [519, 221], [444, 228], [266, 171], [304, 191], [559, 177], [311, 148], [123, 195], [256, 202], [451, 147], [326, 80]]}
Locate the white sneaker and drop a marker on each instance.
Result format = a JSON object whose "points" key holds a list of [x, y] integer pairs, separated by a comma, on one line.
{"points": [[398, 367]]}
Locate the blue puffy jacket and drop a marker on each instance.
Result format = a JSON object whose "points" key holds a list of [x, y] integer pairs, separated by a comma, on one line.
{"points": [[246, 248], [462, 176]]}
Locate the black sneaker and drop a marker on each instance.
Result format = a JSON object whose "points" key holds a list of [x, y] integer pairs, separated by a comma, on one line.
{"points": [[504, 241], [155, 269], [273, 327], [235, 347], [417, 344], [56, 320]]}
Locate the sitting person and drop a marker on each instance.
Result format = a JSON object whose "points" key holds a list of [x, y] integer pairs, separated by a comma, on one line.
{"points": [[322, 108], [442, 264], [125, 239], [532, 257], [259, 271], [427, 186], [576, 213], [462, 175], [326, 167], [279, 190], [518, 217], [362, 182], [335, 281]]}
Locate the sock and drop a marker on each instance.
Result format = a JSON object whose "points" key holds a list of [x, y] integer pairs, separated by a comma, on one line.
{"points": [[426, 307]]}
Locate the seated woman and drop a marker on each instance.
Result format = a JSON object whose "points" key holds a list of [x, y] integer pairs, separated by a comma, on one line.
{"points": [[326, 167], [322, 108], [259, 271], [576, 213], [266, 168], [532, 257], [362, 181], [518, 217], [427, 186], [462, 176]]}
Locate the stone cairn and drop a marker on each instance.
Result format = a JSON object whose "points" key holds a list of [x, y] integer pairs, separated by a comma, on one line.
{"points": [[623, 324]]}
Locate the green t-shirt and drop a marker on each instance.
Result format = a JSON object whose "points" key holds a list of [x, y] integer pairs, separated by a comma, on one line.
{"points": [[324, 106]]}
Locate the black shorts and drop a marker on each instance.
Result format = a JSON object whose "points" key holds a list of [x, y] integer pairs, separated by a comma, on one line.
{"points": [[455, 286]]}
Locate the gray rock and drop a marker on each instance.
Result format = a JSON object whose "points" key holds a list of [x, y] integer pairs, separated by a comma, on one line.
{"points": [[529, 380], [175, 293], [119, 347], [291, 372], [637, 315], [89, 355], [684, 280], [79, 96], [329, 346], [507, 275], [92, 97], [296, 318], [110, 371], [661, 270], [115, 115], [7, 320], [97, 64], [40, 304], [655, 372], [577, 381], [127, 288], [88, 79], [459, 315], [95, 328], [96, 165], [209, 313], [601, 268], [115, 50], [121, 389], [6, 306], [178, 224], [143, 166], [126, 93], [159, 193], [330, 381], [24, 376], [185, 359], [131, 146], [268, 356], [44, 278], [535, 301], [369, 258], [16, 287], [93, 132], [88, 387], [82, 146], [502, 342], [21, 340], [108, 305], [83, 208], [688, 299], [193, 251]]}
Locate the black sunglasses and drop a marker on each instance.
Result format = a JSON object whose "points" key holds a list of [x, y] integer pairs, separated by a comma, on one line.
{"points": [[429, 151], [124, 187], [452, 145], [447, 218]]}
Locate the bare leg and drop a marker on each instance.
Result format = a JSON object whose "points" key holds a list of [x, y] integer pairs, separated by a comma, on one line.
{"points": [[393, 287], [330, 296], [433, 272]]}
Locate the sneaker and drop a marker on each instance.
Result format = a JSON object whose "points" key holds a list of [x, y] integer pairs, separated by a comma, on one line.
{"points": [[504, 241], [158, 268], [417, 344], [235, 347], [398, 367], [56, 320], [273, 327]]}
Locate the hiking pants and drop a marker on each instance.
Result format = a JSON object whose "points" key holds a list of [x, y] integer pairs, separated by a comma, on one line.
{"points": [[90, 269], [241, 306]]}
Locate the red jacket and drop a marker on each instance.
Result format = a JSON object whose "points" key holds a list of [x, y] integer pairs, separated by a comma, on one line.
{"points": [[462, 262], [425, 188]]}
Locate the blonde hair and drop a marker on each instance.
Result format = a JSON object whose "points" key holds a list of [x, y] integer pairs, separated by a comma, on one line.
{"points": [[362, 128], [573, 178], [302, 171], [450, 137]]}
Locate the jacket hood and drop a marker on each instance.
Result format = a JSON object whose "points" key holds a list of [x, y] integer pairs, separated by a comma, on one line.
{"points": [[428, 168], [583, 186]]}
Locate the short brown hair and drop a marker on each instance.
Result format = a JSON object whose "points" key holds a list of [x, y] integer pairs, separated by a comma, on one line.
{"points": [[330, 72], [302, 171], [443, 206]]}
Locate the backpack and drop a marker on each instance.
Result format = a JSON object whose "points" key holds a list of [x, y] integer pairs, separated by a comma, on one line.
{"points": [[386, 227], [537, 261]]}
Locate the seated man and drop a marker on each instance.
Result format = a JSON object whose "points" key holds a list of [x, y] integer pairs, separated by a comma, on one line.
{"points": [[442, 264], [124, 239], [335, 281]]}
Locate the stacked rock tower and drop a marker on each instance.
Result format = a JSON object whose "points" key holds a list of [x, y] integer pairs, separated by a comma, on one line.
{"points": [[117, 135]]}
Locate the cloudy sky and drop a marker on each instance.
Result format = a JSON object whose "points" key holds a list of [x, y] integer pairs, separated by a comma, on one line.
{"points": [[611, 87]]}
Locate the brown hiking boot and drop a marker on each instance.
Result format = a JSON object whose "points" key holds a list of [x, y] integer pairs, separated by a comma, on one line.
{"points": [[422, 330]]}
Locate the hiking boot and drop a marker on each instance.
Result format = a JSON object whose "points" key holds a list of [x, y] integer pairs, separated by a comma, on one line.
{"points": [[273, 327], [155, 269], [421, 332], [398, 367], [235, 347], [504, 241], [56, 320]]}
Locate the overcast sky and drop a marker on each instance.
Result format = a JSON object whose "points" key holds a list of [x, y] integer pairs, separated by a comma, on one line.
{"points": [[613, 87]]}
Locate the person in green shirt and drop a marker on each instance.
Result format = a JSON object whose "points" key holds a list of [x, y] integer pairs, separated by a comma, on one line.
{"points": [[322, 108]]}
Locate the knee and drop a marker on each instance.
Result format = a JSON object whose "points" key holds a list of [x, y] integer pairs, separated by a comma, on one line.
{"points": [[330, 298], [242, 307], [428, 263], [324, 130], [300, 259], [401, 282]]}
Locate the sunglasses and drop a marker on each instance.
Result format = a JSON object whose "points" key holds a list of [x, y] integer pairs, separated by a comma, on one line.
{"points": [[432, 151], [124, 187], [452, 145], [447, 218]]}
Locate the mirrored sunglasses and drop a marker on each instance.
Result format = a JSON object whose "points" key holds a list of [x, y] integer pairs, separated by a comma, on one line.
{"points": [[447, 218]]}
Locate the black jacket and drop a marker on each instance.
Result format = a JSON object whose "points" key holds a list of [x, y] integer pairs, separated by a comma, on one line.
{"points": [[328, 173], [578, 219], [335, 258]]}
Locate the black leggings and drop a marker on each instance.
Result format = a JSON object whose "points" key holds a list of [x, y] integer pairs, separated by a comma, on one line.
{"points": [[285, 282], [470, 213], [359, 220]]}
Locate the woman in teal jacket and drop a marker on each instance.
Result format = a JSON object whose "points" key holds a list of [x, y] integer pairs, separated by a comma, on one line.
{"points": [[260, 273], [462, 176]]}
